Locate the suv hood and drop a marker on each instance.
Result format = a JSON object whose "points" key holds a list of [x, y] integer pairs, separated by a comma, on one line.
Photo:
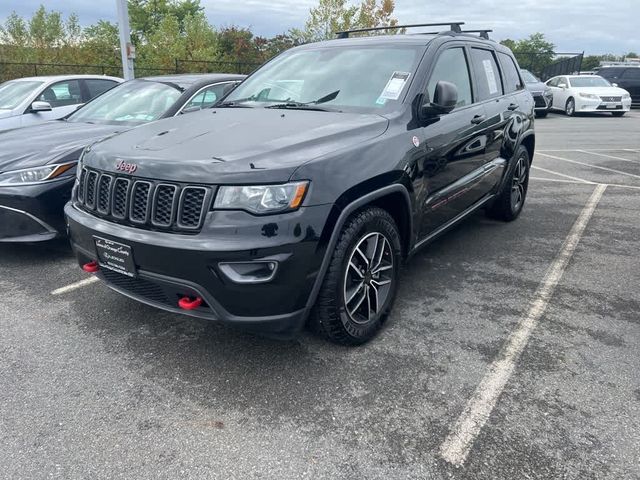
{"points": [[606, 91], [47, 143], [230, 144]]}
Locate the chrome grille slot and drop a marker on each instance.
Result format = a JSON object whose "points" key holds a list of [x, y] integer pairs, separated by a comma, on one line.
{"points": [[143, 203]]}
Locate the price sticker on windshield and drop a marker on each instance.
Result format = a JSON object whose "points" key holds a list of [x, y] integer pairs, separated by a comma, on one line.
{"points": [[394, 86]]}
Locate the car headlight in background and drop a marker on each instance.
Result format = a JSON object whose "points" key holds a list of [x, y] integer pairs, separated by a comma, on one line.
{"points": [[626, 96], [590, 96], [261, 199], [34, 175]]}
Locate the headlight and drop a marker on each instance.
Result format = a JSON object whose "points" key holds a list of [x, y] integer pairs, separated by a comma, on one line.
{"points": [[590, 96], [34, 175], [626, 96], [261, 199]]}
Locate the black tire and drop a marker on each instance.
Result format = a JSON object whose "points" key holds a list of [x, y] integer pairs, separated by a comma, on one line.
{"points": [[542, 114], [618, 114], [333, 316], [570, 107], [508, 204]]}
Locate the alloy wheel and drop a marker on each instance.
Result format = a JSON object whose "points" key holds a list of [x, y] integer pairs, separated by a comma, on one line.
{"points": [[519, 184], [368, 279]]}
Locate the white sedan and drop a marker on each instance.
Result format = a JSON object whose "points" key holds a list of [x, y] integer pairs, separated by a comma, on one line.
{"points": [[588, 93], [27, 101]]}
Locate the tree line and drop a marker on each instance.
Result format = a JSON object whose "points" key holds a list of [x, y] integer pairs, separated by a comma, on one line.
{"points": [[165, 30]]}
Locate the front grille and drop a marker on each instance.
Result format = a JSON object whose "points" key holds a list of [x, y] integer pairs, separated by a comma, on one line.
{"points": [[138, 287], [611, 99], [143, 203], [540, 101]]}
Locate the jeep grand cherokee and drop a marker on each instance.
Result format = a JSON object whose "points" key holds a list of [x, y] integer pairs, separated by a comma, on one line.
{"points": [[297, 198]]}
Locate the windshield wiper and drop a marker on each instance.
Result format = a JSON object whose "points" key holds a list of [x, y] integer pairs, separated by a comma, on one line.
{"points": [[307, 105], [234, 103]]}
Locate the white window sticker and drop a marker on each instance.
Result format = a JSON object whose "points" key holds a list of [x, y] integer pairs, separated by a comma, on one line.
{"points": [[491, 77], [394, 86]]}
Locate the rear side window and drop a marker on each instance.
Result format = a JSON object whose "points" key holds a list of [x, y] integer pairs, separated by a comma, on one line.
{"points": [[632, 73], [512, 81], [96, 87], [487, 74], [452, 66]]}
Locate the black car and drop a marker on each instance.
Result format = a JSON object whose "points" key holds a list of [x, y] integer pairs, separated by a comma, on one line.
{"points": [[298, 196], [38, 163], [624, 77], [542, 95]]}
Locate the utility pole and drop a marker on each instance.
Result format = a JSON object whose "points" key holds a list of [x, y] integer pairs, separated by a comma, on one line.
{"points": [[127, 50]]}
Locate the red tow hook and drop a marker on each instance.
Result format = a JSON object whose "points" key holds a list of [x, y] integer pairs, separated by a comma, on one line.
{"points": [[91, 267], [187, 304]]}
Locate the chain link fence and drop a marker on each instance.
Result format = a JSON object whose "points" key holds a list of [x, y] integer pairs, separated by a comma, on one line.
{"points": [[11, 70]]}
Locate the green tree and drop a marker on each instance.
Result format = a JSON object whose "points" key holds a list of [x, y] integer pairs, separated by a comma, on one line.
{"points": [[146, 16], [533, 53]]}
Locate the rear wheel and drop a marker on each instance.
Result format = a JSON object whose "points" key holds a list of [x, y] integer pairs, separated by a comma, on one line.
{"points": [[510, 200], [570, 107], [360, 285], [617, 114]]}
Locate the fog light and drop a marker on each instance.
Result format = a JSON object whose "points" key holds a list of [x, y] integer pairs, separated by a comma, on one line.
{"points": [[249, 272]]}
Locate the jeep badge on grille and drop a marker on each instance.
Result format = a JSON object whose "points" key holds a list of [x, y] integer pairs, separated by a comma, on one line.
{"points": [[126, 167]]}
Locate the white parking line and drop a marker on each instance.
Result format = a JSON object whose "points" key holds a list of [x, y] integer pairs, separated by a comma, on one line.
{"points": [[458, 443], [591, 149], [559, 180], [562, 175], [75, 286], [589, 165], [608, 156]]}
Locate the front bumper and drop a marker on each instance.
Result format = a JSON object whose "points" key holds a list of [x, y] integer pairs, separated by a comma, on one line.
{"points": [[593, 105], [171, 266], [34, 213], [542, 102]]}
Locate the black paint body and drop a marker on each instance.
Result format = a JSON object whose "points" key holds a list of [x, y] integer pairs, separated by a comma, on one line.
{"points": [[428, 173]]}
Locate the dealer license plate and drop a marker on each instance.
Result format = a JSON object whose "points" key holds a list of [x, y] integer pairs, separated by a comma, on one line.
{"points": [[115, 256]]}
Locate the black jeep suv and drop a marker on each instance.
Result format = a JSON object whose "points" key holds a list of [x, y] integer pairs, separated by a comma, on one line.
{"points": [[297, 198]]}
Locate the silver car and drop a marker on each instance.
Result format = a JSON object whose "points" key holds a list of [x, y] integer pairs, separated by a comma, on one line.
{"points": [[27, 101]]}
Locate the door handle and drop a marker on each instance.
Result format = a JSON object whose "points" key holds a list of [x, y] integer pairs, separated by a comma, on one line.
{"points": [[512, 107], [478, 119]]}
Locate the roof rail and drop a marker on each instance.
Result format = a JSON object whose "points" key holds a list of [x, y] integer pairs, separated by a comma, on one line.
{"points": [[484, 33], [454, 26]]}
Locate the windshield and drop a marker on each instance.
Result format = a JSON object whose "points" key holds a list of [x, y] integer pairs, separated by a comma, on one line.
{"points": [[14, 93], [529, 77], [590, 81], [365, 78], [131, 103]]}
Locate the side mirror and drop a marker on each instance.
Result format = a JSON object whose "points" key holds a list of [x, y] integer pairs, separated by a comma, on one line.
{"points": [[614, 84], [40, 107], [562, 85], [193, 108], [445, 99]]}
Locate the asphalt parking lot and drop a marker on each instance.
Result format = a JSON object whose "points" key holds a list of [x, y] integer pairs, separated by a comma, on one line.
{"points": [[512, 353]]}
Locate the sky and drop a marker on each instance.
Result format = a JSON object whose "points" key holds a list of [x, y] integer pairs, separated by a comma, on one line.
{"points": [[592, 26]]}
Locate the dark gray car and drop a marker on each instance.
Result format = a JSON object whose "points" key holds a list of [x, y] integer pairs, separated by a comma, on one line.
{"points": [[542, 94]]}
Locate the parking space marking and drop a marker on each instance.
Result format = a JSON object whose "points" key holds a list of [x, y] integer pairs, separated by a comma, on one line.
{"points": [[579, 180], [458, 443], [75, 286], [560, 180], [620, 172], [591, 149], [608, 156]]}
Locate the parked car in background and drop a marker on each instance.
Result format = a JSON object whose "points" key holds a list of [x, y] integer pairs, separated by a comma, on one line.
{"points": [[37, 164], [624, 77], [542, 95], [588, 93], [299, 195], [27, 101]]}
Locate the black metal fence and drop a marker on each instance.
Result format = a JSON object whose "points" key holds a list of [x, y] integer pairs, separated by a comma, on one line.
{"points": [[11, 70], [550, 64], [563, 66]]}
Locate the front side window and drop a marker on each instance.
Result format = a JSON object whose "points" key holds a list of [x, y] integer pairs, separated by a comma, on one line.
{"points": [[554, 82], [528, 76], [633, 73], [487, 74], [131, 103], [512, 82], [62, 94], [209, 96], [347, 79], [452, 66], [14, 93], [99, 86]]}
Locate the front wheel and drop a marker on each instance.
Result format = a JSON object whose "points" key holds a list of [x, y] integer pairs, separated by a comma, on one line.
{"points": [[360, 285], [570, 107], [510, 200]]}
